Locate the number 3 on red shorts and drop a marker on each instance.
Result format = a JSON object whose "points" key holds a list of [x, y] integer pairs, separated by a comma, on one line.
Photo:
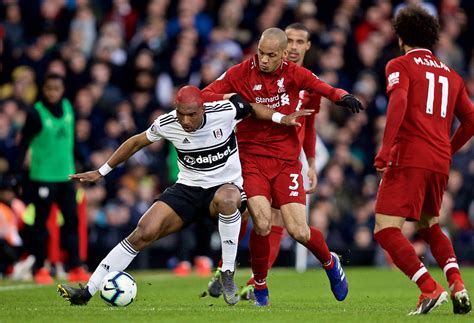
{"points": [[294, 180]]}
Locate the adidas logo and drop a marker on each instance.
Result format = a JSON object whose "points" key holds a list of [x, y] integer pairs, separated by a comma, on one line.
{"points": [[229, 242], [106, 267], [186, 141]]}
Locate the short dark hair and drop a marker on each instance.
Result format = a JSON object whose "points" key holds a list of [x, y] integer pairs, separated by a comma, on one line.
{"points": [[416, 27], [53, 76], [299, 26]]}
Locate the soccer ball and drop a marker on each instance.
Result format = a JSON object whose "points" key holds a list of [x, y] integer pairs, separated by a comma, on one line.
{"points": [[118, 289]]}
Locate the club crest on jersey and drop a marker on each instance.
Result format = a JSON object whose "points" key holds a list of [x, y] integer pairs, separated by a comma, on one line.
{"points": [[218, 133], [281, 85]]}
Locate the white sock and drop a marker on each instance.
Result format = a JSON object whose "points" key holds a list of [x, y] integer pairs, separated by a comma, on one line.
{"points": [[229, 229], [117, 260]]}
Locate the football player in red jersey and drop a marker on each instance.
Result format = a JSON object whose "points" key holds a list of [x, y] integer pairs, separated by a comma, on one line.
{"points": [[298, 44], [269, 153], [424, 95]]}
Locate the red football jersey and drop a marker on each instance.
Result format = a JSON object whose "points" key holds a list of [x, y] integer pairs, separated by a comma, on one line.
{"points": [[278, 90], [434, 93]]}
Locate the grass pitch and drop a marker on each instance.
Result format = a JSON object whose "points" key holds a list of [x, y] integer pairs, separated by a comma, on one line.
{"points": [[375, 295]]}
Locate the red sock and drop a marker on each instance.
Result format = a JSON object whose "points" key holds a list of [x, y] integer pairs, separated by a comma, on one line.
{"points": [[243, 231], [259, 249], [442, 250], [405, 258], [251, 281], [319, 248], [274, 240]]}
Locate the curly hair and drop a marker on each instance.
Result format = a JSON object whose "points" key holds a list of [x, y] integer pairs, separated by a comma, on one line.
{"points": [[416, 27]]}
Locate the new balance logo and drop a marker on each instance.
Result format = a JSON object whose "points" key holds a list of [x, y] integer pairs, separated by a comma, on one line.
{"points": [[186, 141], [106, 267], [229, 242], [393, 79], [285, 99], [257, 87], [294, 193]]}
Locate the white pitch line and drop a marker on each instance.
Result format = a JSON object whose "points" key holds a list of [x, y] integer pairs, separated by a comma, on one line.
{"points": [[18, 287]]}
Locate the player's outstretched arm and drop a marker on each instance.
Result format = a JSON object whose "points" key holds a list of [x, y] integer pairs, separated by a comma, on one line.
{"points": [[124, 152], [310, 82], [262, 112]]}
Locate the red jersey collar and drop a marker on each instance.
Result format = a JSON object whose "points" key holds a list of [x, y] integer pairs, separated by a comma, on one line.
{"points": [[418, 50], [278, 71]]}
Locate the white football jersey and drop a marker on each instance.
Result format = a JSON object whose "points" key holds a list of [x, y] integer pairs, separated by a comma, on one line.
{"points": [[209, 155]]}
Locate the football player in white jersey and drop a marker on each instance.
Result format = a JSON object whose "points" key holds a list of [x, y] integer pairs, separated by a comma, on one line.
{"points": [[209, 182]]}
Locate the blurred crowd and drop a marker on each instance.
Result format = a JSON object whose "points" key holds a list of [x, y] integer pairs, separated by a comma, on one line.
{"points": [[123, 61]]}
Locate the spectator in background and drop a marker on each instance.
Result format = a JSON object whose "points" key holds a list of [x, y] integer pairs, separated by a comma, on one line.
{"points": [[49, 134], [22, 88], [11, 211], [14, 31], [190, 16], [83, 30], [125, 16]]}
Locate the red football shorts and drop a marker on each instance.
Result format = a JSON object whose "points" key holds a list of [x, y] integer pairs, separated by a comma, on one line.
{"points": [[278, 180], [408, 192]]}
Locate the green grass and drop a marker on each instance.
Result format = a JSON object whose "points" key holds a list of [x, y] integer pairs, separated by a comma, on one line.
{"points": [[375, 295]]}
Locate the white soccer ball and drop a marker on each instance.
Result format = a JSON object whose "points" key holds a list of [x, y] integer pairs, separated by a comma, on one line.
{"points": [[118, 289]]}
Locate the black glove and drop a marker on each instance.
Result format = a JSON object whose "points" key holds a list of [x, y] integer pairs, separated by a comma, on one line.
{"points": [[350, 102]]}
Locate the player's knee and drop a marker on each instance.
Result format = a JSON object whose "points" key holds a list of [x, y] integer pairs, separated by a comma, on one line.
{"points": [[227, 206], [227, 201], [141, 237], [300, 234], [262, 227]]}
